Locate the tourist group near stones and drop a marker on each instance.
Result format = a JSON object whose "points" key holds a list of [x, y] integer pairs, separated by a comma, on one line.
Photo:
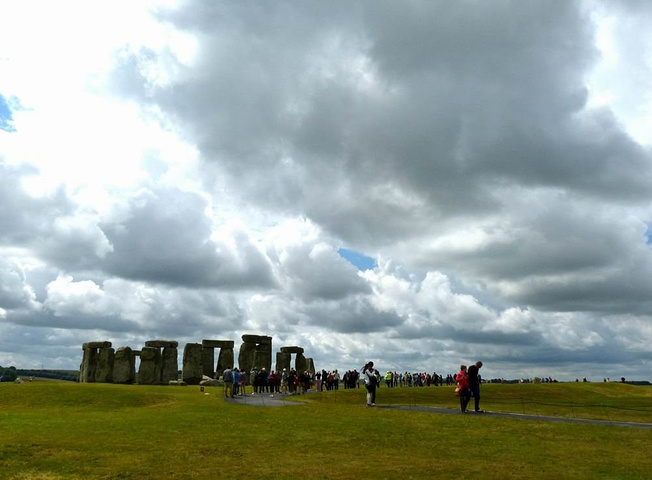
{"points": [[159, 364]]}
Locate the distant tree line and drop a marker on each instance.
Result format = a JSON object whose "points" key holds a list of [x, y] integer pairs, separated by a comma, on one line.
{"points": [[9, 374]]}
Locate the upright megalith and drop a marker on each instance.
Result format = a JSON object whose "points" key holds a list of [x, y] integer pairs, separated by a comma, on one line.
{"points": [[224, 359], [90, 359], [170, 366], [311, 366], [208, 361], [124, 366], [256, 350], [300, 363], [283, 361], [149, 372], [192, 363], [104, 368]]}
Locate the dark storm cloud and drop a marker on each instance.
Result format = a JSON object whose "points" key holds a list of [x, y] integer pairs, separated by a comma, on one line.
{"points": [[164, 236]]}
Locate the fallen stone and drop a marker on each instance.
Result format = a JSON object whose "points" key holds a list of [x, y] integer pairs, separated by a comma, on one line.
{"points": [[211, 382]]}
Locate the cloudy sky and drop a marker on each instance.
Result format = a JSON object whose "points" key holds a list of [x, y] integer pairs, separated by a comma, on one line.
{"points": [[417, 183]]}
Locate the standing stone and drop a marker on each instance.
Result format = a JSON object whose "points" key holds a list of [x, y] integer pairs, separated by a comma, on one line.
{"points": [[208, 361], [311, 367], [149, 372], [300, 363], [170, 365], [192, 363], [262, 360], [283, 361], [105, 361], [89, 365], [246, 357], [224, 360], [124, 366]]}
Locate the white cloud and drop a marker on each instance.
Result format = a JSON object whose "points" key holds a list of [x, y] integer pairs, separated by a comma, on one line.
{"points": [[195, 172]]}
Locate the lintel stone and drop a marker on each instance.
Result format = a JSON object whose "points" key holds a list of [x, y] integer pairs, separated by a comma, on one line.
{"points": [[291, 349], [218, 343], [259, 339], [96, 345], [161, 343]]}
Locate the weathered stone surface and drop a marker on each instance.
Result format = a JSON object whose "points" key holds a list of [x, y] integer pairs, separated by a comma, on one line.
{"points": [[283, 361], [170, 364], [218, 343], [211, 382], [161, 343], [263, 360], [179, 383], [124, 366], [88, 365], [96, 345], [246, 356], [300, 363], [291, 349], [225, 359], [259, 339], [208, 361], [105, 361], [311, 366], [149, 372], [192, 363], [136, 353]]}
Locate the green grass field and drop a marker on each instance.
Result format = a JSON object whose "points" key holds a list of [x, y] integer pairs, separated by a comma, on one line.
{"points": [[57, 430]]}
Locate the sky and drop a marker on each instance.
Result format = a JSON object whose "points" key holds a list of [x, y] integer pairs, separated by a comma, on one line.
{"points": [[421, 184]]}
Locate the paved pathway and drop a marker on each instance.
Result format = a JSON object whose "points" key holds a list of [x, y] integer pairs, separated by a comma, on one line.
{"points": [[452, 411], [264, 400], [267, 400]]}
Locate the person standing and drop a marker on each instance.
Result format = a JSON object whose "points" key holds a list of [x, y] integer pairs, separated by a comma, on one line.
{"points": [[227, 376], [474, 384], [370, 382], [462, 379]]}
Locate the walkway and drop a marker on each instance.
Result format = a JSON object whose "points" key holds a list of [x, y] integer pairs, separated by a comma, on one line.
{"points": [[452, 411], [268, 400]]}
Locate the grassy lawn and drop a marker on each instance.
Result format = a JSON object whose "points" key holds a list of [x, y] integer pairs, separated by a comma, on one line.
{"points": [[51, 430]]}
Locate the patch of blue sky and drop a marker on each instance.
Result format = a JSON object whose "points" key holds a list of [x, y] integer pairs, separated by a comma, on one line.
{"points": [[6, 117], [648, 234], [357, 259]]}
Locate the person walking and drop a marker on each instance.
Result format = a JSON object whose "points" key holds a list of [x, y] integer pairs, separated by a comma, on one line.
{"points": [[370, 381], [463, 391], [474, 384]]}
